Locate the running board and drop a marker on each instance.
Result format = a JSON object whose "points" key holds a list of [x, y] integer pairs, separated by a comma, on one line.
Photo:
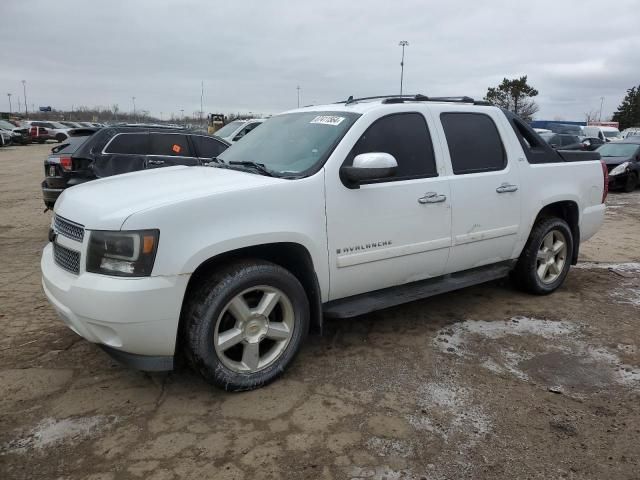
{"points": [[392, 296]]}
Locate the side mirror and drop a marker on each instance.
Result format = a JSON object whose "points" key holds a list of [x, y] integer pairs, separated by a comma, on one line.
{"points": [[367, 167], [554, 145]]}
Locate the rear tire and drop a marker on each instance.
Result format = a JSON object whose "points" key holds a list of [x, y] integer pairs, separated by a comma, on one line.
{"points": [[631, 183], [245, 324], [546, 258]]}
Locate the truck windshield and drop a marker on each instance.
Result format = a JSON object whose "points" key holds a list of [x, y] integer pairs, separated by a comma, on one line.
{"points": [[292, 144], [229, 128]]}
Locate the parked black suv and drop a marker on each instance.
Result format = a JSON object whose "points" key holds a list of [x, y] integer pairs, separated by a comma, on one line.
{"points": [[95, 153]]}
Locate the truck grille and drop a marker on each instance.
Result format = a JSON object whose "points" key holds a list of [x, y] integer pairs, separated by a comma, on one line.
{"points": [[66, 258], [68, 229]]}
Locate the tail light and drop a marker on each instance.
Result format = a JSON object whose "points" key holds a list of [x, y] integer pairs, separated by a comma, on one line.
{"points": [[65, 163], [605, 176]]}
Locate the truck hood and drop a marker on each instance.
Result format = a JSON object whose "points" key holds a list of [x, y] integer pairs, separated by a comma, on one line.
{"points": [[106, 203]]}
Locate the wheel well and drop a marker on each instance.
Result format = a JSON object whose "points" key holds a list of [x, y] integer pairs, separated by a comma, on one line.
{"points": [[568, 211], [292, 256]]}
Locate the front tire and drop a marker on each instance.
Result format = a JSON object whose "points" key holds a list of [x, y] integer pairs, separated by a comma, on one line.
{"points": [[546, 258], [61, 137], [245, 324]]}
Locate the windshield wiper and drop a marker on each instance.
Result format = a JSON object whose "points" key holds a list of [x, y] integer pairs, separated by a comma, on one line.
{"points": [[215, 161], [259, 167]]}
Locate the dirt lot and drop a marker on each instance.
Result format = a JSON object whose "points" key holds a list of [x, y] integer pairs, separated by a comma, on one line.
{"points": [[483, 383]]}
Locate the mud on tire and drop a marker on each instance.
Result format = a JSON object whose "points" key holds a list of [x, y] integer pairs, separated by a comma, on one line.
{"points": [[246, 302], [536, 271]]}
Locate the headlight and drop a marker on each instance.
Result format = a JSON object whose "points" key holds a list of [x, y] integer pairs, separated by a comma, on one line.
{"points": [[124, 254], [619, 169]]}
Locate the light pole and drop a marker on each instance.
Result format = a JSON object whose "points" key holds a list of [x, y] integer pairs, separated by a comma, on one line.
{"points": [[24, 91], [601, 102], [201, 100], [298, 88], [9, 95], [182, 115], [133, 99], [403, 44]]}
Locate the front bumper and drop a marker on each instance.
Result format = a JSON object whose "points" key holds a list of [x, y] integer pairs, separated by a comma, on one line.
{"points": [[133, 317], [618, 181], [50, 195]]}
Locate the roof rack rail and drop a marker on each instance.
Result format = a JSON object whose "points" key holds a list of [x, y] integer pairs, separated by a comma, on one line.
{"points": [[416, 98]]}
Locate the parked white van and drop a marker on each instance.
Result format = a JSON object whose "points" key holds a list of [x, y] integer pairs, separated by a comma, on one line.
{"points": [[606, 134]]}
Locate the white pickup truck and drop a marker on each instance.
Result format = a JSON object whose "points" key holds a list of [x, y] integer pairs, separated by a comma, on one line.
{"points": [[334, 211]]}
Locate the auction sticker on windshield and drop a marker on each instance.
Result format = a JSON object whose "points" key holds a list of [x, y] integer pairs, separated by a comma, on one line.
{"points": [[327, 120]]}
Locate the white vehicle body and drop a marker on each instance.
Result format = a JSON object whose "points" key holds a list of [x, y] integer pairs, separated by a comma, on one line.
{"points": [[630, 132], [380, 235], [606, 134], [235, 130]]}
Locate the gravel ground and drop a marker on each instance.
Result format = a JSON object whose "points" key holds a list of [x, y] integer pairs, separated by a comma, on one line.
{"points": [[484, 383]]}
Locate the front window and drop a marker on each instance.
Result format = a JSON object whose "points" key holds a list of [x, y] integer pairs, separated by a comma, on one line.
{"points": [[617, 150], [229, 128], [292, 144], [611, 133], [6, 125]]}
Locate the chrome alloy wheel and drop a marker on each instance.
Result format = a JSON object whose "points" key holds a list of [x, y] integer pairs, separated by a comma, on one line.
{"points": [[551, 257], [254, 329]]}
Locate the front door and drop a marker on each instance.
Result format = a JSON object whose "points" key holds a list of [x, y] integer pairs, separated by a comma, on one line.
{"points": [[393, 231]]}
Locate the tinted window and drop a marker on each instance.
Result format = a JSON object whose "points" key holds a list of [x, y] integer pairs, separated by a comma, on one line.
{"points": [[131, 143], [70, 145], [170, 145], [474, 143], [569, 140], [406, 137], [208, 147]]}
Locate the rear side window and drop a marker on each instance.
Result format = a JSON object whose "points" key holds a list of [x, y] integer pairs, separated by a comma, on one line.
{"points": [[406, 137], [474, 143], [169, 145], [207, 147], [70, 145], [129, 143]]}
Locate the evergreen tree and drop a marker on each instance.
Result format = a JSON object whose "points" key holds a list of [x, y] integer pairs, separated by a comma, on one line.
{"points": [[628, 113]]}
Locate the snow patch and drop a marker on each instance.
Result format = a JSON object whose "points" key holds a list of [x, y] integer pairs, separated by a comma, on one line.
{"points": [[384, 447], [51, 432], [623, 267]]}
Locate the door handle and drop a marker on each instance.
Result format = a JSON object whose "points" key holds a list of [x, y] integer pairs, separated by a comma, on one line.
{"points": [[432, 197], [155, 162], [506, 188]]}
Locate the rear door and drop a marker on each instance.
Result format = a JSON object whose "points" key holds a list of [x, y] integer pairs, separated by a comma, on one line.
{"points": [[169, 149], [484, 188], [125, 152]]}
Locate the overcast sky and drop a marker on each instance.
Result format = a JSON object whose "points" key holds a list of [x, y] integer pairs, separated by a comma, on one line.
{"points": [[252, 54]]}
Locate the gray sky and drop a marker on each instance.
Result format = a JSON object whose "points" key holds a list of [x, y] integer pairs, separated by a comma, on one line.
{"points": [[252, 54]]}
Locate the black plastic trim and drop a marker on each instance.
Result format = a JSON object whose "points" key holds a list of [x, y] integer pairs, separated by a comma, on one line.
{"points": [[145, 363], [393, 296]]}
